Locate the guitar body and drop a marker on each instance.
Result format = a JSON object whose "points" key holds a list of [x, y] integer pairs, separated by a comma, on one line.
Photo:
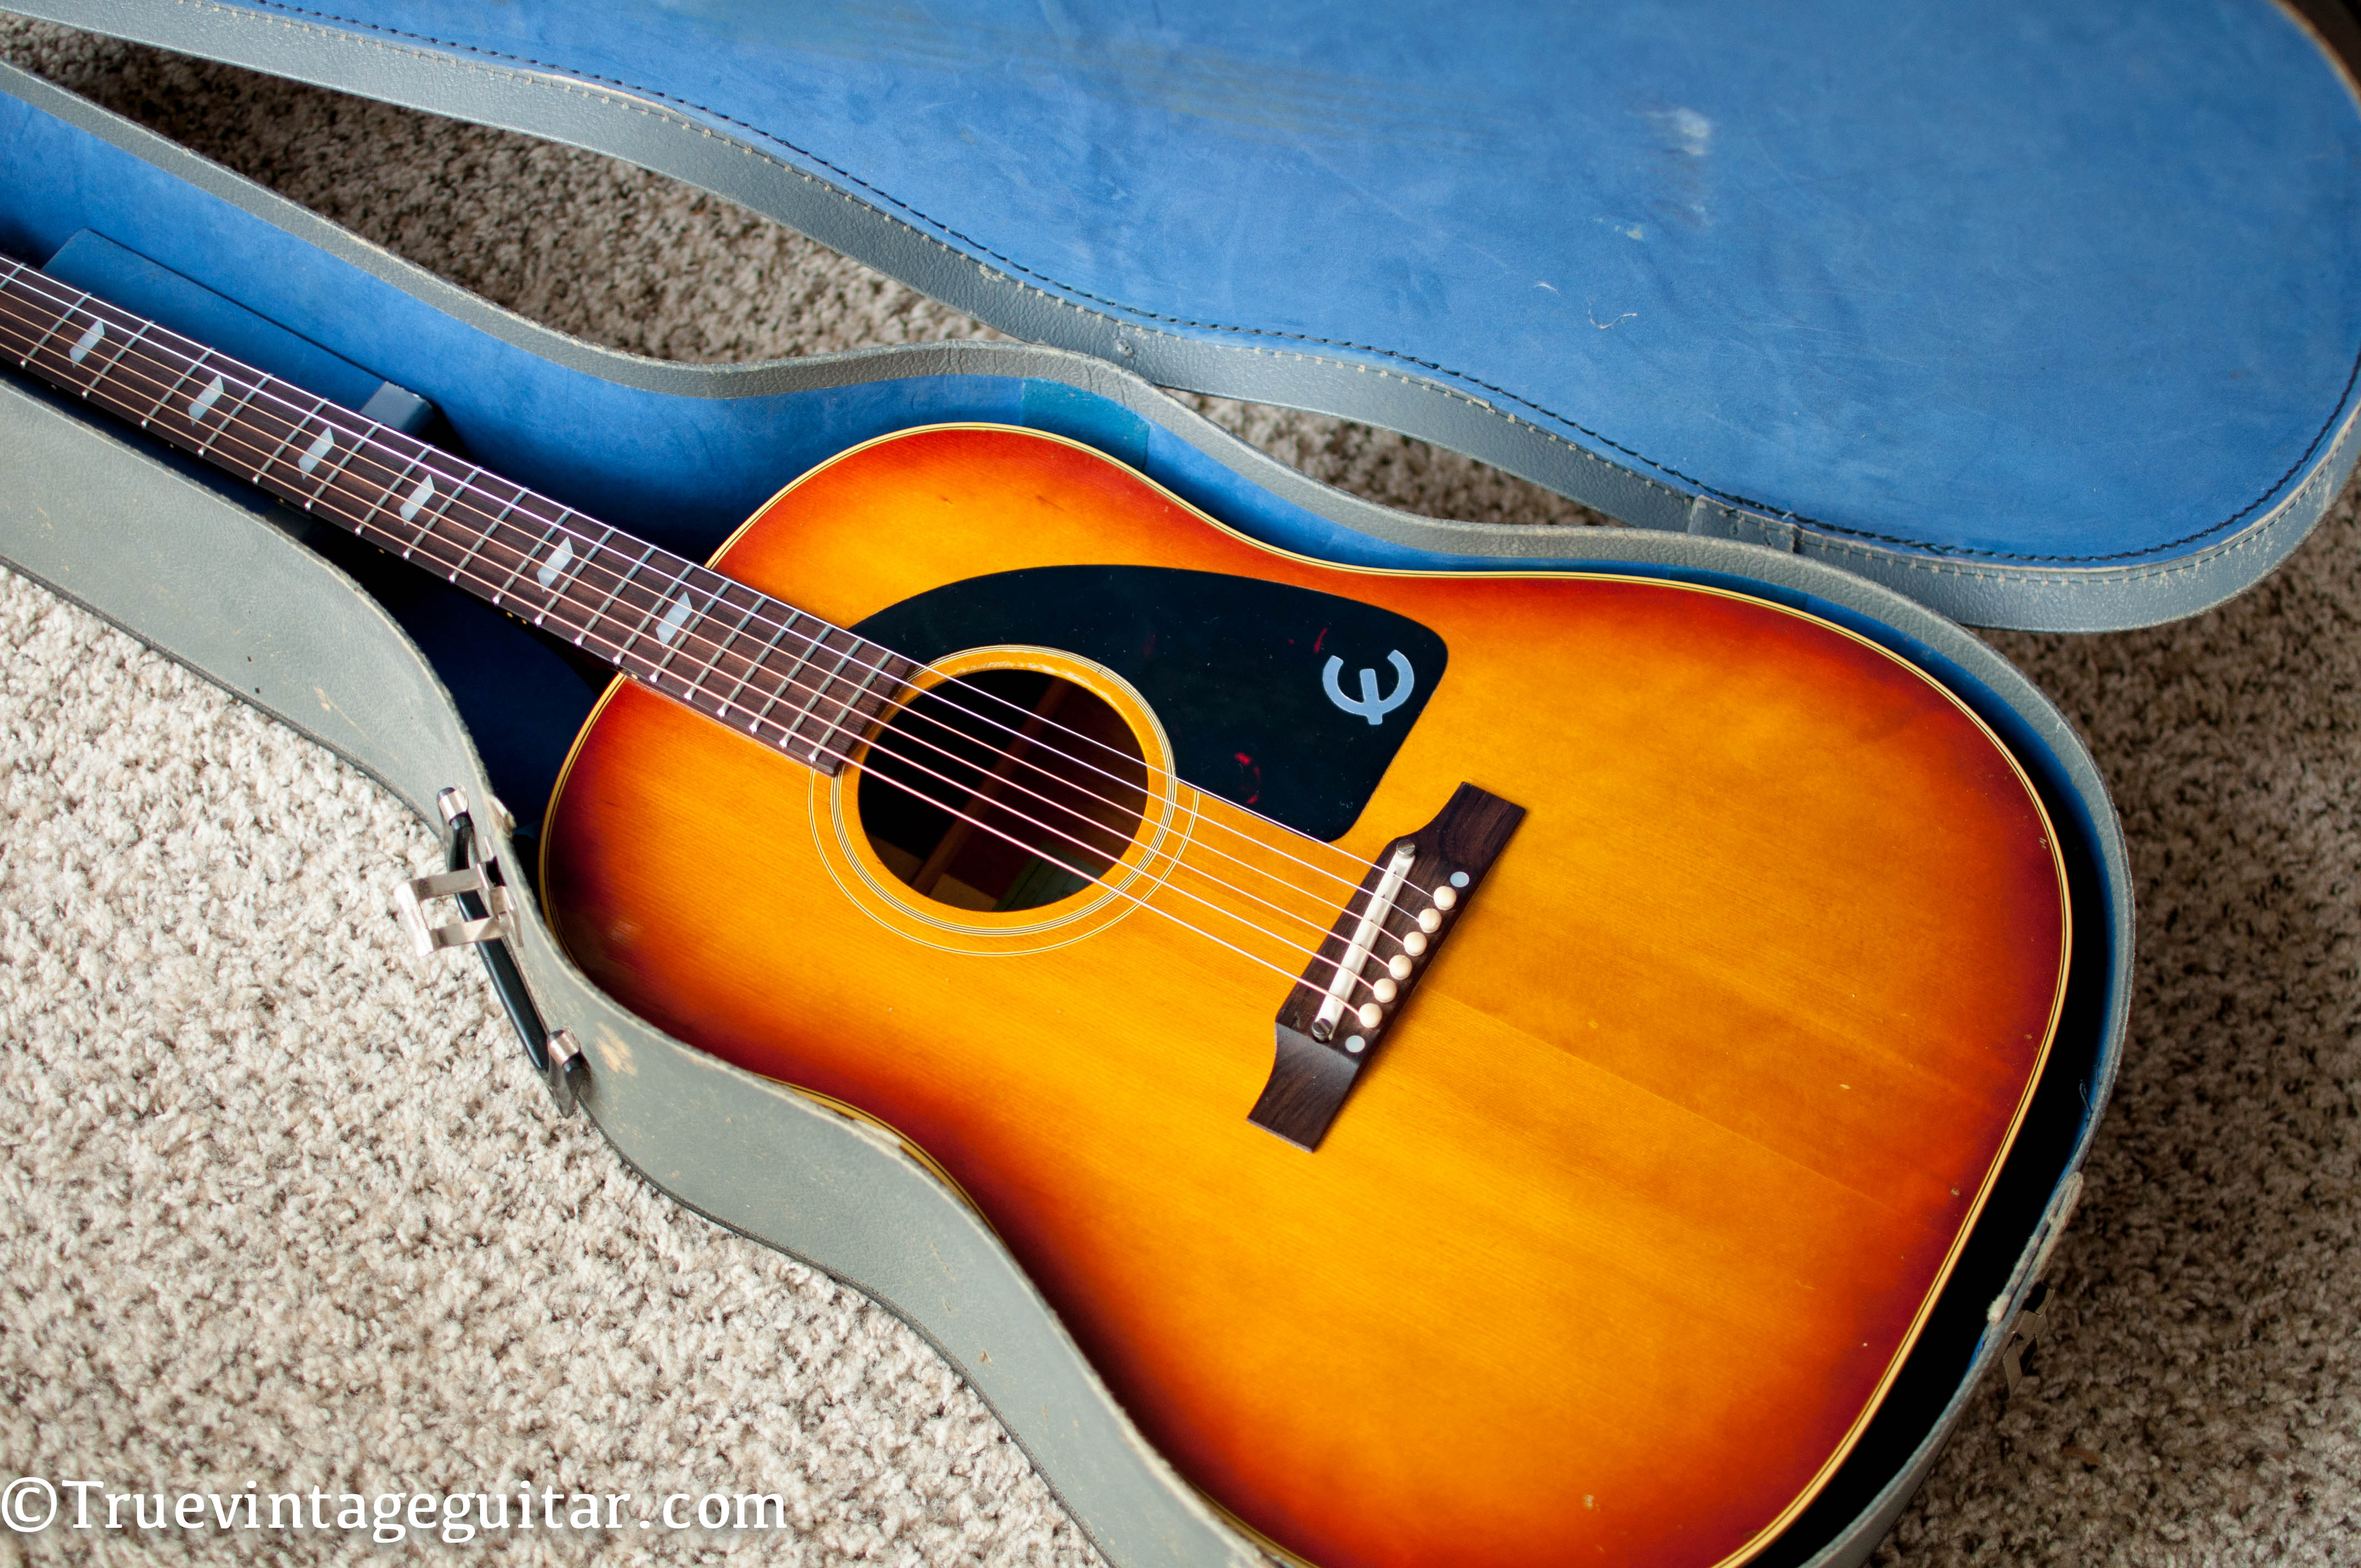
{"points": [[1621, 1236]]}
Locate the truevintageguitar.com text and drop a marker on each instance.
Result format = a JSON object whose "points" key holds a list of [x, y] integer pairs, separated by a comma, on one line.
{"points": [[34, 1505]]}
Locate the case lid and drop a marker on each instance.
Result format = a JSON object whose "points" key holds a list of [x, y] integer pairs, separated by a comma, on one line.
{"points": [[2051, 316]]}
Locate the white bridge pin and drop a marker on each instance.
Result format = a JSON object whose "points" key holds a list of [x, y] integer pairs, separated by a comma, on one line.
{"points": [[1384, 990], [1398, 966], [1444, 898], [1429, 922], [1370, 1014]]}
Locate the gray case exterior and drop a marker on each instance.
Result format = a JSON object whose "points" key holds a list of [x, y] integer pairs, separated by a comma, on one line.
{"points": [[224, 586]]}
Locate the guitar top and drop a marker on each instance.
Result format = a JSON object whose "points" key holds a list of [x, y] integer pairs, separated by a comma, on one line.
{"points": [[1490, 1068], [1614, 1245]]}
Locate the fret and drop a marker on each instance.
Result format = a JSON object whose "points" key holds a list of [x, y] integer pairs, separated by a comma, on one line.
{"points": [[384, 492], [544, 549], [676, 627], [228, 416], [682, 624], [523, 557], [294, 428], [64, 352], [620, 643], [91, 338], [562, 565], [96, 353], [851, 723], [669, 609], [483, 536], [421, 503], [173, 384], [845, 705], [668, 622], [321, 446], [440, 532], [26, 358], [266, 421], [672, 632], [354, 495], [22, 317], [761, 660], [11, 274], [178, 416], [80, 345], [122, 352], [726, 648], [64, 365], [560, 570], [428, 508], [790, 736], [27, 307], [896, 671], [566, 567], [811, 645], [843, 728], [870, 708], [868, 704], [400, 480], [200, 407]]}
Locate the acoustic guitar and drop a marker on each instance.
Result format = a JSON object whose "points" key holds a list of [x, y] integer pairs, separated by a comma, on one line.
{"points": [[1491, 1069]]}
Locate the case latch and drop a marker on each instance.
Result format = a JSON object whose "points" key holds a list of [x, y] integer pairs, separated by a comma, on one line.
{"points": [[479, 880], [2025, 1333], [2034, 1314], [488, 922], [472, 878]]}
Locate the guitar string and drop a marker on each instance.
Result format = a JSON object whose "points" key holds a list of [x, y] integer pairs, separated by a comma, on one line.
{"points": [[262, 390], [622, 654], [621, 661], [752, 617]]}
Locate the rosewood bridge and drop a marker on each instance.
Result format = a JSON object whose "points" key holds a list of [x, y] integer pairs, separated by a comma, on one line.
{"points": [[1412, 899]]}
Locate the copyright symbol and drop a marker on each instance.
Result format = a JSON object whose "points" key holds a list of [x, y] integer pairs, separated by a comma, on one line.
{"points": [[24, 1496]]}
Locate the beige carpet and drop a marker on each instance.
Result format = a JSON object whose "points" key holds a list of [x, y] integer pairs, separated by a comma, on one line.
{"points": [[280, 1205]]}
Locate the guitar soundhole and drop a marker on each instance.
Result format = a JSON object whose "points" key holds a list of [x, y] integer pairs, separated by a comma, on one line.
{"points": [[1002, 790]]}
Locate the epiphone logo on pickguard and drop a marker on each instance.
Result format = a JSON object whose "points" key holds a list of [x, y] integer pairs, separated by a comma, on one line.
{"points": [[1370, 705], [1253, 680]]}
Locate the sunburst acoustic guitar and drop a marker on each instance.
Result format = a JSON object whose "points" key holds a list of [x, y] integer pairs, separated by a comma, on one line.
{"points": [[1490, 1069]]}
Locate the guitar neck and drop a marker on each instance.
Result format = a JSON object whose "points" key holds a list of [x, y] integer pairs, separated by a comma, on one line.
{"points": [[798, 684]]}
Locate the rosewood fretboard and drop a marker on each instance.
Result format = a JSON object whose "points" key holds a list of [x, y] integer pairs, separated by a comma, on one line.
{"points": [[796, 684]]}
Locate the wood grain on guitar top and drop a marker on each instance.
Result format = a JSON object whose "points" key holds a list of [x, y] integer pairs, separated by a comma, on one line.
{"points": [[1615, 1246]]}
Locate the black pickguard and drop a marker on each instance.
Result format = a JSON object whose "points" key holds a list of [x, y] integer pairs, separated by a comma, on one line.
{"points": [[1232, 665]]}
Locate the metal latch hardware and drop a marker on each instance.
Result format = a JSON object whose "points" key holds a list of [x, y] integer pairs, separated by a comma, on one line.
{"points": [[2037, 1313], [2025, 1333], [467, 876], [489, 922], [567, 1072], [411, 898]]}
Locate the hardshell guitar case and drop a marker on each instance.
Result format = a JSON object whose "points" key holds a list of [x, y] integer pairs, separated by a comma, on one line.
{"points": [[2012, 317]]}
